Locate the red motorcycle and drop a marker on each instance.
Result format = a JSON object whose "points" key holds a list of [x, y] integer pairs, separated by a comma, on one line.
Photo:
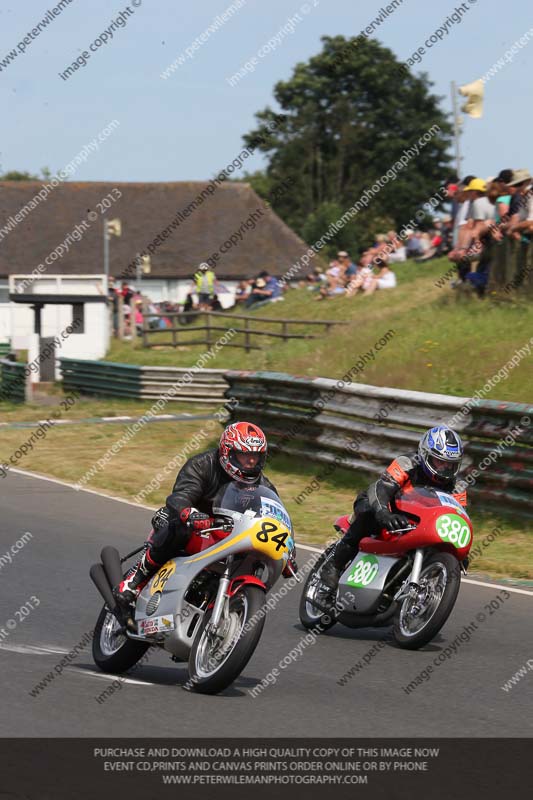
{"points": [[408, 578]]}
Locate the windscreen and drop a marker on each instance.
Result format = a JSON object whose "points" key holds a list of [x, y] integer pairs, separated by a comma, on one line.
{"points": [[259, 499], [425, 496]]}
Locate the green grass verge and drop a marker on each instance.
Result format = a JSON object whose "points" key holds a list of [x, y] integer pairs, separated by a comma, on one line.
{"points": [[86, 407], [60, 455]]}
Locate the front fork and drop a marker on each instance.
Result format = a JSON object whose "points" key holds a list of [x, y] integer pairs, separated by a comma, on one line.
{"points": [[220, 600], [411, 586]]}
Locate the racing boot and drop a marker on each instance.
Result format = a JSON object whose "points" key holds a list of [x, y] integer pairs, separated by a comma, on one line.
{"points": [[334, 568], [138, 576]]}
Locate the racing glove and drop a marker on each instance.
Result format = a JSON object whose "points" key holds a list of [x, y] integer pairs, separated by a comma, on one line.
{"points": [[160, 518], [195, 520], [392, 522]]}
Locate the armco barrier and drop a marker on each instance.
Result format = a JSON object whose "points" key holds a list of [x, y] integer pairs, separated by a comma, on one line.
{"points": [[15, 386], [135, 381], [365, 427]]}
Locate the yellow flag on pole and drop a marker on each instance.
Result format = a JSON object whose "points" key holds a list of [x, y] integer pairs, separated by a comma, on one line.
{"points": [[474, 93]]}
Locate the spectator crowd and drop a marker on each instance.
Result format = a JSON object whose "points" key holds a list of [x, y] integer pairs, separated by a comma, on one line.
{"points": [[375, 266], [486, 213]]}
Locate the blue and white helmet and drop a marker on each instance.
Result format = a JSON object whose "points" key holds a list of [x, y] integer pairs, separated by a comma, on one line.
{"points": [[441, 452]]}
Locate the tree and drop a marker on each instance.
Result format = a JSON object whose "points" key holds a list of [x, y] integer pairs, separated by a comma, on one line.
{"points": [[16, 175], [349, 114]]}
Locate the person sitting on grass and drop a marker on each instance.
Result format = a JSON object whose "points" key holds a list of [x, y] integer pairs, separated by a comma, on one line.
{"points": [[265, 289], [398, 254], [335, 281], [315, 280], [242, 292], [385, 279], [347, 267], [363, 278]]}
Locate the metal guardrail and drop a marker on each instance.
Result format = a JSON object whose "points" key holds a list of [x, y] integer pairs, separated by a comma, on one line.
{"points": [[367, 426], [131, 380], [15, 386]]}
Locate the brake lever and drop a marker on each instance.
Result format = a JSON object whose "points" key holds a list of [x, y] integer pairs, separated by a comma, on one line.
{"points": [[293, 573], [405, 530]]}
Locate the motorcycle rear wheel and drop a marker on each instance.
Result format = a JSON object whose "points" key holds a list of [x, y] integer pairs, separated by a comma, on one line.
{"points": [[113, 651], [441, 577], [215, 663]]}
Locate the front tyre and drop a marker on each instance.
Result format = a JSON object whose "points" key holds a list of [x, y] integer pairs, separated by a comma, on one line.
{"points": [[112, 650], [216, 660], [418, 620], [311, 617]]}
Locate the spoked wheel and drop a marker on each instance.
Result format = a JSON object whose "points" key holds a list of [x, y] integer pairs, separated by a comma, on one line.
{"points": [[217, 658], [312, 617], [420, 618], [112, 650]]}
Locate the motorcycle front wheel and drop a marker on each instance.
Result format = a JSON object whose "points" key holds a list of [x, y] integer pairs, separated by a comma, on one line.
{"points": [[419, 619], [216, 659], [312, 617]]}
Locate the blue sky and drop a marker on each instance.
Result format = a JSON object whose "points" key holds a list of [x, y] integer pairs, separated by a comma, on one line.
{"points": [[189, 126]]}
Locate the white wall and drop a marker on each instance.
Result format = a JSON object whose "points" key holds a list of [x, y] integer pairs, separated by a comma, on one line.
{"points": [[17, 320], [5, 322]]}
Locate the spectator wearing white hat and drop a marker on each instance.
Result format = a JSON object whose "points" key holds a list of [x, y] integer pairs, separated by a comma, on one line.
{"points": [[521, 206], [348, 269]]}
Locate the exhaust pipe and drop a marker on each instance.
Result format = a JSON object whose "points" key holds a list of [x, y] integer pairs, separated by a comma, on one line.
{"points": [[99, 578], [112, 566]]}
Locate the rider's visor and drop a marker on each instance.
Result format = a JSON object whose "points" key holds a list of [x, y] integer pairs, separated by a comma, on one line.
{"points": [[444, 469], [248, 460]]}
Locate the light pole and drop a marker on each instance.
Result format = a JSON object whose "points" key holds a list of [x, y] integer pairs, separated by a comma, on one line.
{"points": [[456, 130], [112, 227]]}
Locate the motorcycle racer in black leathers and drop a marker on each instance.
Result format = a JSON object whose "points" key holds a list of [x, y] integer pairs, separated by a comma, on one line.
{"points": [[240, 457], [436, 464]]}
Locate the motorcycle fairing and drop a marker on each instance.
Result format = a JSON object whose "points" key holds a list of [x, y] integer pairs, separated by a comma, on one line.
{"points": [[173, 578], [364, 579]]}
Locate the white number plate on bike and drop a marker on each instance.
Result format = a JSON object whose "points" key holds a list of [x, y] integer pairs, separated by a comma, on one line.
{"points": [[147, 627]]}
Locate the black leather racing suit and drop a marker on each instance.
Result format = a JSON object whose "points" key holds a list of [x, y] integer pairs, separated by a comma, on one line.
{"points": [[402, 474], [196, 486]]}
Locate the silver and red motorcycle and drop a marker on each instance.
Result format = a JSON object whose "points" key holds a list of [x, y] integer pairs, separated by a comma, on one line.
{"points": [[406, 579], [207, 606]]}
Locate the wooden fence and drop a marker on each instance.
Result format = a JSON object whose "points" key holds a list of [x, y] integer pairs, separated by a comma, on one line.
{"points": [[179, 333], [511, 267]]}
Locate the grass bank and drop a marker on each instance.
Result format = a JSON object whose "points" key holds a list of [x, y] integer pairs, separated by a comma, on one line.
{"points": [[441, 343]]}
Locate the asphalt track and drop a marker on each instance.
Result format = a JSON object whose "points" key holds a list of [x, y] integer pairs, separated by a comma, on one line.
{"points": [[461, 698]]}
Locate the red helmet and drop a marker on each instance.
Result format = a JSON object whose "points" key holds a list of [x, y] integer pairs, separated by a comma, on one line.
{"points": [[242, 451]]}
